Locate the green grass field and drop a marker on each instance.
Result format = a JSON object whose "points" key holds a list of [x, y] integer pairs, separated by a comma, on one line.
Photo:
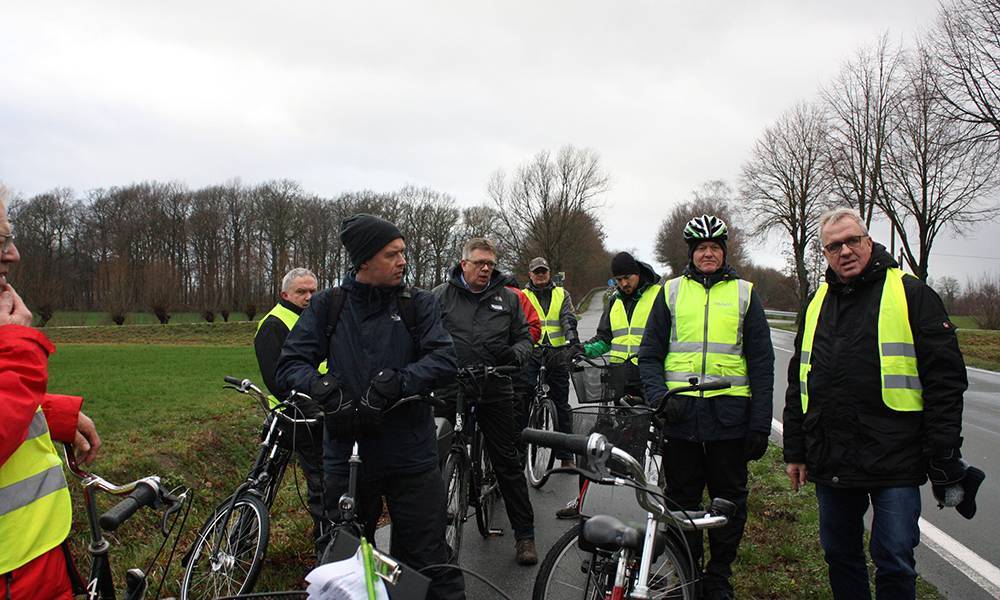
{"points": [[67, 318], [161, 409]]}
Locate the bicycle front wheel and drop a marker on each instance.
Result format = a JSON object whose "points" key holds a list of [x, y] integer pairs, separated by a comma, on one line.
{"points": [[484, 486], [228, 554], [456, 481], [570, 572], [540, 458]]}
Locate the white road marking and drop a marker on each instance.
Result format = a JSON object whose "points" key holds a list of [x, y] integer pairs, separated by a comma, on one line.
{"points": [[979, 570], [788, 350]]}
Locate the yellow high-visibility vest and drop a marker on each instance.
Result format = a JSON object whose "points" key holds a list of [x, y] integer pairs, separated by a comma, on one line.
{"points": [[551, 326], [289, 318], [626, 334], [35, 510], [901, 387], [706, 335]]}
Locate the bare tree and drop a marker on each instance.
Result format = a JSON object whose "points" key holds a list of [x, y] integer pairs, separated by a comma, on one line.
{"points": [[541, 206], [859, 103], [785, 185], [716, 198], [935, 175], [967, 43]]}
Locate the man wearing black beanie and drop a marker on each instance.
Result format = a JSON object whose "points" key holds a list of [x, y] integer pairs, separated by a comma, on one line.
{"points": [[376, 356]]}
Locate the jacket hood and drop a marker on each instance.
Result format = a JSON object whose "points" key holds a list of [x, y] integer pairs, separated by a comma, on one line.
{"points": [[874, 271], [497, 279], [647, 277]]}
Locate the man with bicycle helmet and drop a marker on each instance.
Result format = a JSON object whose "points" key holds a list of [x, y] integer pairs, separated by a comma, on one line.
{"points": [[710, 324], [383, 342]]}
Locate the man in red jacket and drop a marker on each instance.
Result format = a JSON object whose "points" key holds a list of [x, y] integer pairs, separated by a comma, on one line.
{"points": [[34, 499]]}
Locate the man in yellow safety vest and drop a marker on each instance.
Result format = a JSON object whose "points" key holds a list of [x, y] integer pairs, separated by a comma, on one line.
{"points": [[873, 407], [709, 324], [297, 289], [35, 511]]}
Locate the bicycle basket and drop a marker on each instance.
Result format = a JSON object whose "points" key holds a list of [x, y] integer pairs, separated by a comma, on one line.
{"points": [[589, 387], [623, 426]]}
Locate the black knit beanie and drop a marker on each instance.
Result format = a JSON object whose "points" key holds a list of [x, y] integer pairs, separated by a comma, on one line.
{"points": [[624, 264], [364, 235]]}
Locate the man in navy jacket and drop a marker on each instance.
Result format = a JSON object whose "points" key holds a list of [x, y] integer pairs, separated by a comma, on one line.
{"points": [[373, 356]]}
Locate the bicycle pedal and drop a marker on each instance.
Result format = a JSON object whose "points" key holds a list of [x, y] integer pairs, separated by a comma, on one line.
{"points": [[496, 532]]}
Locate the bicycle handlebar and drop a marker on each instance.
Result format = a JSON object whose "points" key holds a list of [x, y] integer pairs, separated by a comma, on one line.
{"points": [[483, 370], [577, 444], [245, 386], [144, 494]]}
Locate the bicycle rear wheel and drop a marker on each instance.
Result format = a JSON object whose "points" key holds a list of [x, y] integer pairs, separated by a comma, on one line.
{"points": [[540, 458], [456, 481], [229, 566]]}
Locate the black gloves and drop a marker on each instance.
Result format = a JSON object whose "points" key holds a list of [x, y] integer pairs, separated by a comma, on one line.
{"points": [[574, 351], [754, 445], [305, 407], [385, 389], [954, 482], [325, 392], [503, 356]]}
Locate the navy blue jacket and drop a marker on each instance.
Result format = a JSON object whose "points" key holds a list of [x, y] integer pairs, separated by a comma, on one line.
{"points": [[371, 336], [719, 417]]}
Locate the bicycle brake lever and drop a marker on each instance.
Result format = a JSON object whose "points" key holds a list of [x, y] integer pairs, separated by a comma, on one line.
{"points": [[176, 502]]}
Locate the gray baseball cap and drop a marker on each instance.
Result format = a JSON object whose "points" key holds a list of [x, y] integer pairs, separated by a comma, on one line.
{"points": [[538, 263]]}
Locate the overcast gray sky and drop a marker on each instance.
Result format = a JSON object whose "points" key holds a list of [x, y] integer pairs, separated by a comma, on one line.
{"points": [[343, 95]]}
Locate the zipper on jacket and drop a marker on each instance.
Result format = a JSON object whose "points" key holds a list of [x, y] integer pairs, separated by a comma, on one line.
{"points": [[704, 343]]}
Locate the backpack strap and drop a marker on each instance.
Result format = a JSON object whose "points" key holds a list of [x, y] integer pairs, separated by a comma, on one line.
{"points": [[334, 309]]}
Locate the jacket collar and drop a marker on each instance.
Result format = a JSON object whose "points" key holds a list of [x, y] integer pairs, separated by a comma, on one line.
{"points": [[292, 307], [709, 279]]}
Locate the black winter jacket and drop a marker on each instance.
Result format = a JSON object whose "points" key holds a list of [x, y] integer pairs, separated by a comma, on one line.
{"points": [[371, 336], [848, 437], [480, 323], [719, 417]]}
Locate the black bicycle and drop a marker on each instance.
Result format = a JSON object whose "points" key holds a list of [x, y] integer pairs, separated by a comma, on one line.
{"points": [[147, 492], [542, 415], [468, 473], [229, 551]]}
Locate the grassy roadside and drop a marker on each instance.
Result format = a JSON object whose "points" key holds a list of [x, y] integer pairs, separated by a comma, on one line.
{"points": [[82, 318], [780, 556]]}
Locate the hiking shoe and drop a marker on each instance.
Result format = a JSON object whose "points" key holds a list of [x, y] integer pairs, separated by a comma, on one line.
{"points": [[526, 553], [570, 511]]}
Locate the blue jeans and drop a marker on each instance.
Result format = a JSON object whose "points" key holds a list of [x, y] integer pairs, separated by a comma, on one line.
{"points": [[894, 535]]}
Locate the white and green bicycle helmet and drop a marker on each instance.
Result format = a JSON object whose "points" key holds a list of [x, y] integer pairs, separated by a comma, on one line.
{"points": [[705, 227]]}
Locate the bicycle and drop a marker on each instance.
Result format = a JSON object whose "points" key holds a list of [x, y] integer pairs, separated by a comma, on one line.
{"points": [[468, 473], [141, 493], [229, 551], [542, 415], [601, 557]]}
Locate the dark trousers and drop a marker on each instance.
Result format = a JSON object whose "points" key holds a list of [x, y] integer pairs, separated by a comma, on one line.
{"points": [[557, 376], [308, 450], [895, 534], [495, 416], [690, 467], [417, 508]]}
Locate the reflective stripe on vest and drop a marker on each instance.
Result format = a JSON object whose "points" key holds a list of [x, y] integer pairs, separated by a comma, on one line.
{"points": [[35, 510], [901, 388], [706, 335], [551, 326], [626, 335], [289, 318]]}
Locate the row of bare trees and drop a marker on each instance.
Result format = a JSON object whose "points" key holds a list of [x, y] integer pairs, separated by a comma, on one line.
{"points": [[224, 248], [909, 135]]}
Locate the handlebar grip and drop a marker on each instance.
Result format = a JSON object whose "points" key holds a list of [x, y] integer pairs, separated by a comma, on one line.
{"points": [[232, 380], [577, 444], [144, 494]]}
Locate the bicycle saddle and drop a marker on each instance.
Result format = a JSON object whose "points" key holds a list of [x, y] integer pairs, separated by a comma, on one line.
{"points": [[608, 533]]}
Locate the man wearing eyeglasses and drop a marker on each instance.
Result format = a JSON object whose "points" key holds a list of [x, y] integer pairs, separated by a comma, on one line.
{"points": [[35, 510], [488, 327], [874, 406]]}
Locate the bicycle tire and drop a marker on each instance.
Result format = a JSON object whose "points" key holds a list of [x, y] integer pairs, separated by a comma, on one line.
{"points": [[456, 482], [540, 458], [484, 486], [570, 572], [240, 564]]}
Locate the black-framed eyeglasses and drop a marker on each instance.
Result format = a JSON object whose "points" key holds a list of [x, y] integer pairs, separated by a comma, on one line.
{"points": [[479, 264], [6, 242], [853, 242]]}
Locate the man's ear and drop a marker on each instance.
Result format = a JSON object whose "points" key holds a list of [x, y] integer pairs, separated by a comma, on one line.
{"points": [[284, 295]]}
